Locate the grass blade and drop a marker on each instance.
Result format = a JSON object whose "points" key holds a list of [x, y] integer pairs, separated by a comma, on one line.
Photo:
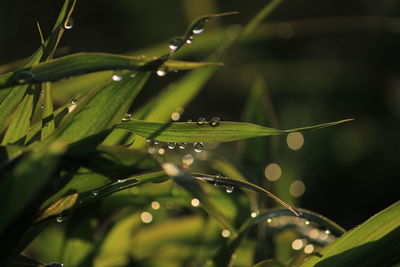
{"points": [[193, 132], [224, 254], [82, 63], [373, 243], [101, 109], [231, 183]]}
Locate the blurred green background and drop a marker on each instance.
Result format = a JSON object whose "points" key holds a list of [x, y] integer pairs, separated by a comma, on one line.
{"points": [[320, 60]]}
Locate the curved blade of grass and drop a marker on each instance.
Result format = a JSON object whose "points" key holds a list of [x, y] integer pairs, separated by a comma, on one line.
{"points": [[189, 183], [373, 243], [227, 182], [224, 254], [82, 63], [196, 27], [104, 191], [191, 133]]}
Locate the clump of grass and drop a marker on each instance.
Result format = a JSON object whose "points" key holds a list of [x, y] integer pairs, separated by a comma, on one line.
{"points": [[62, 164]]}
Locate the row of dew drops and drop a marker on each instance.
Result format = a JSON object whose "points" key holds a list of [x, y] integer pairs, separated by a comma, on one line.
{"points": [[197, 146]]}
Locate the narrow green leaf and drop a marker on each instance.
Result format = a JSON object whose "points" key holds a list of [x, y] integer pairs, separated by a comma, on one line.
{"points": [[16, 131], [59, 206], [232, 183], [373, 243], [224, 254], [82, 63], [101, 109], [193, 132], [18, 189]]}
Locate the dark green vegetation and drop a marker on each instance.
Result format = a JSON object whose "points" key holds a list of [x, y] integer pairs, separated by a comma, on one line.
{"points": [[95, 174]]}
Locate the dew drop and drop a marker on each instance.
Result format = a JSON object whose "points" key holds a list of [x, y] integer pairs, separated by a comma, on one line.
{"points": [[149, 140], [201, 121], [60, 219], [189, 40], [156, 142], [41, 92], [127, 117], [229, 189], [199, 26], [161, 72], [42, 106], [214, 122], [176, 43], [24, 76], [132, 75], [253, 214], [122, 180], [327, 232], [74, 101], [69, 23], [55, 264], [269, 220], [225, 233], [182, 145], [95, 193], [117, 77], [171, 145], [198, 147], [189, 121]]}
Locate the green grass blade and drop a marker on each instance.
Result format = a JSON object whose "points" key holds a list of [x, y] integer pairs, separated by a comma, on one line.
{"points": [[193, 132], [48, 124], [232, 183], [224, 254], [82, 63], [269, 263], [21, 261], [373, 243], [101, 109], [16, 131], [61, 205]]}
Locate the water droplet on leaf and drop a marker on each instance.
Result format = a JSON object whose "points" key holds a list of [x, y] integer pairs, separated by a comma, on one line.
{"points": [[201, 121], [171, 145], [122, 180], [229, 189], [60, 219], [198, 147], [55, 264], [117, 77], [69, 23], [176, 43], [149, 140], [24, 76], [214, 122], [181, 145], [127, 117], [189, 40], [161, 72], [156, 142], [199, 26], [189, 121], [95, 193], [74, 101]]}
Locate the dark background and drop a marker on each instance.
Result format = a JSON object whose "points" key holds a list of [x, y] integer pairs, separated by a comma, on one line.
{"points": [[321, 60]]}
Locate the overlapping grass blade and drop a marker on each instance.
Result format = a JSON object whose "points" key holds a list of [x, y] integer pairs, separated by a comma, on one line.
{"points": [[224, 254], [12, 96], [194, 132], [82, 63], [232, 183], [100, 110], [373, 243]]}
